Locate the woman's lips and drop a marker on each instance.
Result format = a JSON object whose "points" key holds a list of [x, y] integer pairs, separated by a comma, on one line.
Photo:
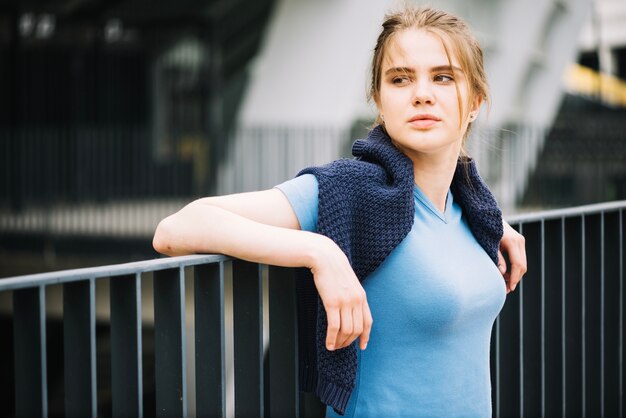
{"points": [[424, 121]]}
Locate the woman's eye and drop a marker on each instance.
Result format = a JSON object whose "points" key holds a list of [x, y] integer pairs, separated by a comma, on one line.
{"points": [[444, 78], [400, 80]]}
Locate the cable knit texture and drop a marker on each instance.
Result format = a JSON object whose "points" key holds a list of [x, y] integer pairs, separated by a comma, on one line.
{"points": [[366, 207]]}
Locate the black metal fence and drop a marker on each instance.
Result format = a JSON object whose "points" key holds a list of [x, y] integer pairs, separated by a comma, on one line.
{"points": [[557, 347], [278, 395], [558, 343]]}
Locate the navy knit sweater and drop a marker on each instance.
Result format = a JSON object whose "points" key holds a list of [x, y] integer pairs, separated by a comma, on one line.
{"points": [[366, 207]]}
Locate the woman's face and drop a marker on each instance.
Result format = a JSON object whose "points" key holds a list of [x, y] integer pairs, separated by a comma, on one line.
{"points": [[418, 95]]}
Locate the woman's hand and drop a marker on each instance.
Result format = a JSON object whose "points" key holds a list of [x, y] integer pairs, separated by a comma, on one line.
{"points": [[514, 244], [344, 298]]}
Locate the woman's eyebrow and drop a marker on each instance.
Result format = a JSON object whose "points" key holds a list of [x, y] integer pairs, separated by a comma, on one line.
{"points": [[404, 70], [408, 70], [446, 68]]}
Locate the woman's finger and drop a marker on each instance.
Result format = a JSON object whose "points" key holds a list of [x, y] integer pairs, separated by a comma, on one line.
{"points": [[345, 331], [367, 325], [334, 322], [518, 263], [518, 269], [357, 320], [503, 270], [501, 263]]}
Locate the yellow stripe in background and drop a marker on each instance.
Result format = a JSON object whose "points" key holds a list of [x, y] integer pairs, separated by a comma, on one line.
{"points": [[585, 81]]}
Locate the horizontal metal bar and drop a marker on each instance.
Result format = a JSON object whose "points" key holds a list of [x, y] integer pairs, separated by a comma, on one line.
{"points": [[66, 276], [567, 212]]}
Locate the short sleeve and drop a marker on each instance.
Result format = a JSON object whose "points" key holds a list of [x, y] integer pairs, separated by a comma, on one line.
{"points": [[302, 193]]}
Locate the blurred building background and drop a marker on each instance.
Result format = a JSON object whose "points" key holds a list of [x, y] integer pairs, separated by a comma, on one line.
{"points": [[113, 114]]}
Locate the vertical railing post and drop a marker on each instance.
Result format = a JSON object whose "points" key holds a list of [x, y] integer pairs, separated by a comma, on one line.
{"points": [[622, 257], [573, 249], [553, 393], [248, 339], [593, 315], [29, 336], [494, 364], [509, 341], [612, 316], [522, 359], [209, 334], [79, 348], [283, 369], [126, 366], [531, 327], [170, 343]]}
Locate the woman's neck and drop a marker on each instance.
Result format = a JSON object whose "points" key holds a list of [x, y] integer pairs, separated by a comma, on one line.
{"points": [[433, 176]]}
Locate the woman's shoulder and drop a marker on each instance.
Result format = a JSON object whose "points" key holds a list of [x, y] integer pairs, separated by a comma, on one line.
{"points": [[344, 168], [302, 194]]}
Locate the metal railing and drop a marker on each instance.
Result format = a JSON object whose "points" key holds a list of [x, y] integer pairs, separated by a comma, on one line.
{"points": [[211, 273], [557, 347]]}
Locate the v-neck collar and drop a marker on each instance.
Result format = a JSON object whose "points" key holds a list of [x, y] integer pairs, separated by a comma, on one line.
{"points": [[417, 192]]}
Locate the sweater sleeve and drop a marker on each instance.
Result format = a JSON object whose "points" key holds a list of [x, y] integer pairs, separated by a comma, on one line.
{"points": [[302, 193]]}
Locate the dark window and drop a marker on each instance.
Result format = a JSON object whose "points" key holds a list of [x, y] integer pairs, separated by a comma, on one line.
{"points": [[589, 59], [620, 61]]}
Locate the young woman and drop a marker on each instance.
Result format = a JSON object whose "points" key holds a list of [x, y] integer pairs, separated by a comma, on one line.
{"points": [[406, 234]]}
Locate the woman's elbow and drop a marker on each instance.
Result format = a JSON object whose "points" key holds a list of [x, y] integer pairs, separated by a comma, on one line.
{"points": [[162, 241], [180, 234]]}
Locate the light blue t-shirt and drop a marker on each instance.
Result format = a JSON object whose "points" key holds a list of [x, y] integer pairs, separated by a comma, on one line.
{"points": [[434, 301]]}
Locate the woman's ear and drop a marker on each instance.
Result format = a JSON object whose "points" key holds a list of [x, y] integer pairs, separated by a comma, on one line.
{"points": [[376, 99], [379, 107], [475, 109]]}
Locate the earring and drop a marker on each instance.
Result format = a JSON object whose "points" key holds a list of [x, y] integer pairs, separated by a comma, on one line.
{"points": [[382, 119], [472, 116]]}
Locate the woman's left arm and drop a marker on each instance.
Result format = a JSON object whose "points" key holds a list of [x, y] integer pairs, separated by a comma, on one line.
{"points": [[514, 245]]}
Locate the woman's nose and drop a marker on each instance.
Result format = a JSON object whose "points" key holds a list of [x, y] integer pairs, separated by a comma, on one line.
{"points": [[423, 93]]}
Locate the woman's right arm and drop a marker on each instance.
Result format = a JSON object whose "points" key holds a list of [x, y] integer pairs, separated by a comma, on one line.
{"points": [[262, 227]]}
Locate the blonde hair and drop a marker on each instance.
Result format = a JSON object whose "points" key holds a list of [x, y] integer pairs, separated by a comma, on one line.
{"points": [[450, 29]]}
